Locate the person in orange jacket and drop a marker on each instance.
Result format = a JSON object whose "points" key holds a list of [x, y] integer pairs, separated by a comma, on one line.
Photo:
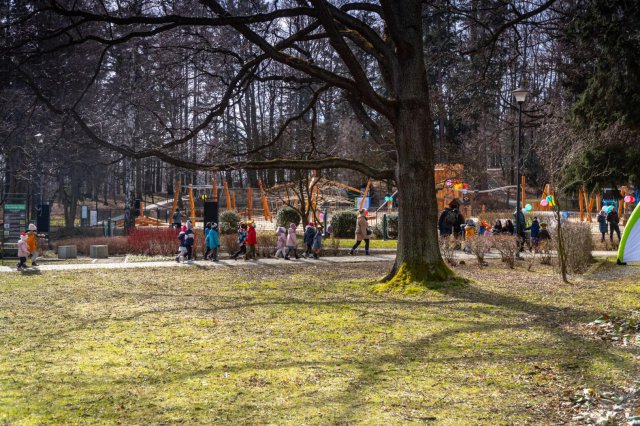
{"points": [[32, 244]]}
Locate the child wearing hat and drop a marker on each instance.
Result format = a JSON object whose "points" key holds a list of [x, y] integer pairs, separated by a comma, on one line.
{"points": [[23, 251], [292, 242], [32, 244], [213, 242], [182, 248], [242, 240], [543, 236], [189, 241], [252, 240], [469, 231], [307, 238], [281, 233]]}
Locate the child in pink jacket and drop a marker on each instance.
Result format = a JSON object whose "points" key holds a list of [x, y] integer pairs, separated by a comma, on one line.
{"points": [[23, 251], [292, 242], [282, 241]]}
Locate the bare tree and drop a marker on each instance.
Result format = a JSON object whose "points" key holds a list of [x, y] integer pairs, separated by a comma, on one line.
{"points": [[371, 53]]}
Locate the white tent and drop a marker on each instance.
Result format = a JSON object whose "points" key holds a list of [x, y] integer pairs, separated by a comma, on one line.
{"points": [[629, 249]]}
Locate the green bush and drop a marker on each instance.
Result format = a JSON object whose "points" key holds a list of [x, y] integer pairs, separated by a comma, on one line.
{"points": [[286, 216], [344, 224], [228, 222]]}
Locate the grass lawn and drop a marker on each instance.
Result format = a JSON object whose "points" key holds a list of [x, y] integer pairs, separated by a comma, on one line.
{"points": [[376, 244], [301, 344]]}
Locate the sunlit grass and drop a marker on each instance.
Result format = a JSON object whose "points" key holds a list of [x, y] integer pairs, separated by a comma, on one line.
{"points": [[299, 345]]}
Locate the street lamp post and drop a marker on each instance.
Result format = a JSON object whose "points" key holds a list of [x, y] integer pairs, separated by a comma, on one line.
{"points": [[40, 139], [521, 95]]}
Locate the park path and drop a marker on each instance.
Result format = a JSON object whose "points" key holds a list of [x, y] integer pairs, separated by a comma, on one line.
{"points": [[327, 260], [204, 263]]}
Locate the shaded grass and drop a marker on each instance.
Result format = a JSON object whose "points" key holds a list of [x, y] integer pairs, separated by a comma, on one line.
{"points": [[291, 345]]}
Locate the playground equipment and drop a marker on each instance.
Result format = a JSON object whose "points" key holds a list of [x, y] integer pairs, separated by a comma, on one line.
{"points": [[265, 204], [629, 249], [620, 198]]}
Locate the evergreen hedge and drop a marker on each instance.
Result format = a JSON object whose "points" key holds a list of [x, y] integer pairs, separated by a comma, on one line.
{"points": [[344, 224], [286, 216], [229, 221]]}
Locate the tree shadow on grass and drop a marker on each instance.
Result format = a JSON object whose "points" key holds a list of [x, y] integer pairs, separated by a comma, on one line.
{"points": [[372, 369], [543, 316]]}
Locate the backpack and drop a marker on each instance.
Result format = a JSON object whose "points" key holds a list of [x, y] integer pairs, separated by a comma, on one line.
{"points": [[451, 218]]}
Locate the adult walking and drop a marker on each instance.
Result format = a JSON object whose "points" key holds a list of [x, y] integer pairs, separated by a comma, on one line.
{"points": [[602, 225], [177, 219], [450, 220], [614, 226], [521, 226], [362, 233]]}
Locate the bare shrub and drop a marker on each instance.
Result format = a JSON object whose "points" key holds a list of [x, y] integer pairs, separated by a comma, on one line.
{"points": [[331, 247], [545, 248], [507, 246], [229, 242], [267, 244], [448, 246], [578, 244], [153, 241], [480, 246]]}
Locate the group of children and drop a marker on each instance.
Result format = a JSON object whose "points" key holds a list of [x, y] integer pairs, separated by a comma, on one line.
{"points": [[28, 247], [186, 237], [287, 242], [539, 233], [312, 239]]}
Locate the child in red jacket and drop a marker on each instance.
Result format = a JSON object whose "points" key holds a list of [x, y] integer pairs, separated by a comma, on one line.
{"points": [[252, 240]]}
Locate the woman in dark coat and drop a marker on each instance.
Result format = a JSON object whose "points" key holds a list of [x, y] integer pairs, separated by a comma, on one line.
{"points": [[602, 224]]}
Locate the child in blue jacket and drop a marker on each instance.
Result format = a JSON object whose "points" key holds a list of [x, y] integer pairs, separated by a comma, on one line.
{"points": [[213, 242]]}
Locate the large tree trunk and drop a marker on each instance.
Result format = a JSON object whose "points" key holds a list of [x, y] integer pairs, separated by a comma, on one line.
{"points": [[418, 258]]}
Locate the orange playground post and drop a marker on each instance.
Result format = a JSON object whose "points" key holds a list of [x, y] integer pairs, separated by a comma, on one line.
{"points": [[249, 202], [364, 194], [225, 186], [192, 205]]}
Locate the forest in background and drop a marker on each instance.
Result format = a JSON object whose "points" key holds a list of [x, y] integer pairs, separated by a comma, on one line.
{"points": [[204, 95]]}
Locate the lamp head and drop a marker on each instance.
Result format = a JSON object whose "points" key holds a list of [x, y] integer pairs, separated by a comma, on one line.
{"points": [[520, 94]]}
